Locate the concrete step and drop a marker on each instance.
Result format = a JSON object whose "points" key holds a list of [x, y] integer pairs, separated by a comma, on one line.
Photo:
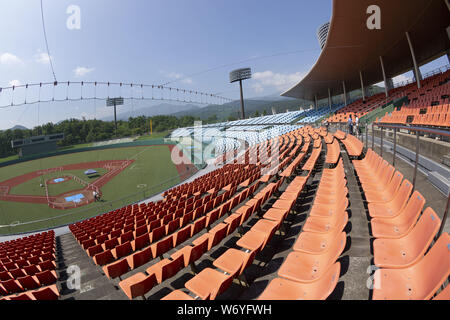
{"points": [[93, 283]]}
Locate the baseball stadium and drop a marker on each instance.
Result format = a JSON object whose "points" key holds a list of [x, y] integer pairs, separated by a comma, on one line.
{"points": [[338, 188]]}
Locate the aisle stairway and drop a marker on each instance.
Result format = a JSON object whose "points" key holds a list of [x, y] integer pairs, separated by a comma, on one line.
{"points": [[94, 285]]}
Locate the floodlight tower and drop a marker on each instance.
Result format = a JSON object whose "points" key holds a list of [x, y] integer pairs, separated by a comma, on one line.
{"points": [[239, 75], [114, 102]]}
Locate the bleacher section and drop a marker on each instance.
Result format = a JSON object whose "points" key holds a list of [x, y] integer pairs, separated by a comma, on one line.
{"points": [[358, 109], [27, 268], [312, 116], [427, 106], [247, 203]]}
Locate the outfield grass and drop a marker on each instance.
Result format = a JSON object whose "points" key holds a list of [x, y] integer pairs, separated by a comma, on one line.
{"points": [[10, 158], [151, 173]]}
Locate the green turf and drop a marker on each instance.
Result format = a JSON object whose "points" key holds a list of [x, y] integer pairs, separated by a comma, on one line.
{"points": [[151, 173], [10, 158]]}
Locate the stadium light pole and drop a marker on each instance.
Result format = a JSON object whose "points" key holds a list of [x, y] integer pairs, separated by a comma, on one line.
{"points": [[114, 102], [239, 75]]}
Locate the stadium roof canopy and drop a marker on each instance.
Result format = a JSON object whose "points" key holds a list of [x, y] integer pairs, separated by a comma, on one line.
{"points": [[352, 47]]}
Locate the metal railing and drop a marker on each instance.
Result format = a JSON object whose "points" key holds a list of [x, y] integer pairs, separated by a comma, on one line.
{"points": [[417, 131], [424, 76]]}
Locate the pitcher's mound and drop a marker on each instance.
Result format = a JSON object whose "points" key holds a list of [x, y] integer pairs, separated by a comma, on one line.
{"points": [[73, 199]]}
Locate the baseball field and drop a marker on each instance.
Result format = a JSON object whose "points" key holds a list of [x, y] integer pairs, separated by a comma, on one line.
{"points": [[55, 191]]}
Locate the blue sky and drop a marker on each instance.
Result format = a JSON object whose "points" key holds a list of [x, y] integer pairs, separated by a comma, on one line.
{"points": [[155, 42]]}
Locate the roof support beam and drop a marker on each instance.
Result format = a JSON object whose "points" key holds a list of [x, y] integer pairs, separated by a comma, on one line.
{"points": [[416, 68], [362, 86], [315, 101], [329, 98], [384, 77], [345, 93]]}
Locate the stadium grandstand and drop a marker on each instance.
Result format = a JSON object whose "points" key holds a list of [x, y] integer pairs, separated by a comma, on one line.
{"points": [[298, 205]]}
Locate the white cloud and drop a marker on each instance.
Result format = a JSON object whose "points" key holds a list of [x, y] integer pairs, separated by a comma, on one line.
{"points": [[280, 81], [82, 71], [178, 76], [14, 83], [9, 59], [42, 57]]}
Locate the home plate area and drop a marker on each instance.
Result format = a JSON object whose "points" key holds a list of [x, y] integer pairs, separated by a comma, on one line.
{"points": [[73, 199]]}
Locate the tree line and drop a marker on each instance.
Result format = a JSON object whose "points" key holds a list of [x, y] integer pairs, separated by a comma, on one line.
{"points": [[78, 131]]}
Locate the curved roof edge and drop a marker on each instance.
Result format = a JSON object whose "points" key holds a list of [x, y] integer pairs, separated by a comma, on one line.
{"points": [[352, 48]]}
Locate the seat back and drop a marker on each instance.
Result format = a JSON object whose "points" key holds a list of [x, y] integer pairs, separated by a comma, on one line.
{"points": [[395, 183], [141, 230], [234, 223], [11, 286], [154, 224], [17, 273], [249, 260], [219, 234], [423, 232], [126, 237], [103, 258], [111, 244], [434, 268], [123, 249], [116, 269], [182, 235], [162, 246], [198, 250], [248, 212], [31, 270], [28, 283], [336, 248], [212, 217], [173, 225], [48, 293], [46, 277], [141, 288], [172, 268], [47, 265], [158, 233], [401, 197], [413, 208], [386, 175], [141, 241], [225, 208], [224, 285]]}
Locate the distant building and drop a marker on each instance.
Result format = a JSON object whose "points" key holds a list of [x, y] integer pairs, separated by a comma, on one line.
{"points": [[322, 34]]}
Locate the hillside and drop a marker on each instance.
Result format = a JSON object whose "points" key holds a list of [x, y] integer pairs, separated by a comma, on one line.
{"points": [[143, 109]]}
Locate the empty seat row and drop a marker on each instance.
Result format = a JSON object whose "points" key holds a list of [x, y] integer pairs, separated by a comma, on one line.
{"points": [[412, 264]]}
